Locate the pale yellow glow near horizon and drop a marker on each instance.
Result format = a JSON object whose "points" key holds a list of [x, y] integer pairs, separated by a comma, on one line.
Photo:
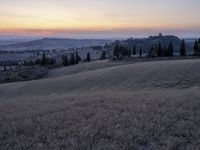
{"points": [[91, 15]]}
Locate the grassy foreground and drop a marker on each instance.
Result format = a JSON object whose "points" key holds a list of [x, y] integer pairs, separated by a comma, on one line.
{"points": [[135, 106]]}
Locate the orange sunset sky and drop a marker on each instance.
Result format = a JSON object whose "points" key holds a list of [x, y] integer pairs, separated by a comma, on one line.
{"points": [[94, 18]]}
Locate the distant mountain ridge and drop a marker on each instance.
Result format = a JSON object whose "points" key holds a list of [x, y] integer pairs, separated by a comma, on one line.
{"points": [[54, 43], [61, 43]]}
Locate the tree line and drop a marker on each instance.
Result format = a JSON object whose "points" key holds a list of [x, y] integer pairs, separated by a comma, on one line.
{"points": [[156, 51]]}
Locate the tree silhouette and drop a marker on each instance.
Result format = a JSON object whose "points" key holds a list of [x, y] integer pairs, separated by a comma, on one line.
{"points": [[159, 51], [72, 59], [88, 57], [65, 61], [196, 48], [165, 51], [140, 51], [182, 48], [170, 49], [129, 53], [44, 59], [134, 50], [116, 50], [152, 52], [78, 59], [103, 55], [52, 61]]}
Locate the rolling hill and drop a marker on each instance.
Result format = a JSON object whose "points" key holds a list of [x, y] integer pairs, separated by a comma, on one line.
{"points": [[54, 43], [105, 105], [153, 41]]}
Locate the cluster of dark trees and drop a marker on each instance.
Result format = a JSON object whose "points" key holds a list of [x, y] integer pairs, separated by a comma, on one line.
{"points": [[74, 59], [156, 51], [196, 48], [44, 61], [122, 50], [161, 51]]}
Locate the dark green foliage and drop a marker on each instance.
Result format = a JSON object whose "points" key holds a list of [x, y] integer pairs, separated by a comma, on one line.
{"points": [[52, 61], [140, 51], [88, 57], [38, 61], [182, 48], [134, 50], [152, 52], [129, 53], [196, 48], [65, 61], [103, 55], [199, 41], [78, 58], [44, 60], [170, 49], [123, 50], [159, 50], [165, 51], [30, 63], [116, 50], [72, 59]]}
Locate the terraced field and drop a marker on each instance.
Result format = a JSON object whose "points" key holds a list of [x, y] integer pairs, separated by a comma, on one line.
{"points": [[105, 105]]}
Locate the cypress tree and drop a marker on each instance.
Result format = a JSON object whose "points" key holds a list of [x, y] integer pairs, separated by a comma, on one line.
{"points": [[182, 48], [196, 48], [103, 55], [77, 58], [65, 61], [134, 50], [129, 53], [140, 51], [44, 59], [170, 49], [159, 51], [72, 59], [88, 57], [116, 50]]}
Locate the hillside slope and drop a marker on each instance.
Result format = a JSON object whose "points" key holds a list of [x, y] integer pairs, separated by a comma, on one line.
{"points": [[54, 43], [163, 74], [147, 105]]}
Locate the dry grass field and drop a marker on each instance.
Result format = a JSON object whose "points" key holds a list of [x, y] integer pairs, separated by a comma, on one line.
{"points": [[105, 106]]}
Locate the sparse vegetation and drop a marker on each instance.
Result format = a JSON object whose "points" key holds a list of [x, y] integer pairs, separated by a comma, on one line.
{"points": [[22, 74]]}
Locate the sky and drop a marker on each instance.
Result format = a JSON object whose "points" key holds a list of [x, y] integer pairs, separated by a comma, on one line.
{"points": [[99, 18]]}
